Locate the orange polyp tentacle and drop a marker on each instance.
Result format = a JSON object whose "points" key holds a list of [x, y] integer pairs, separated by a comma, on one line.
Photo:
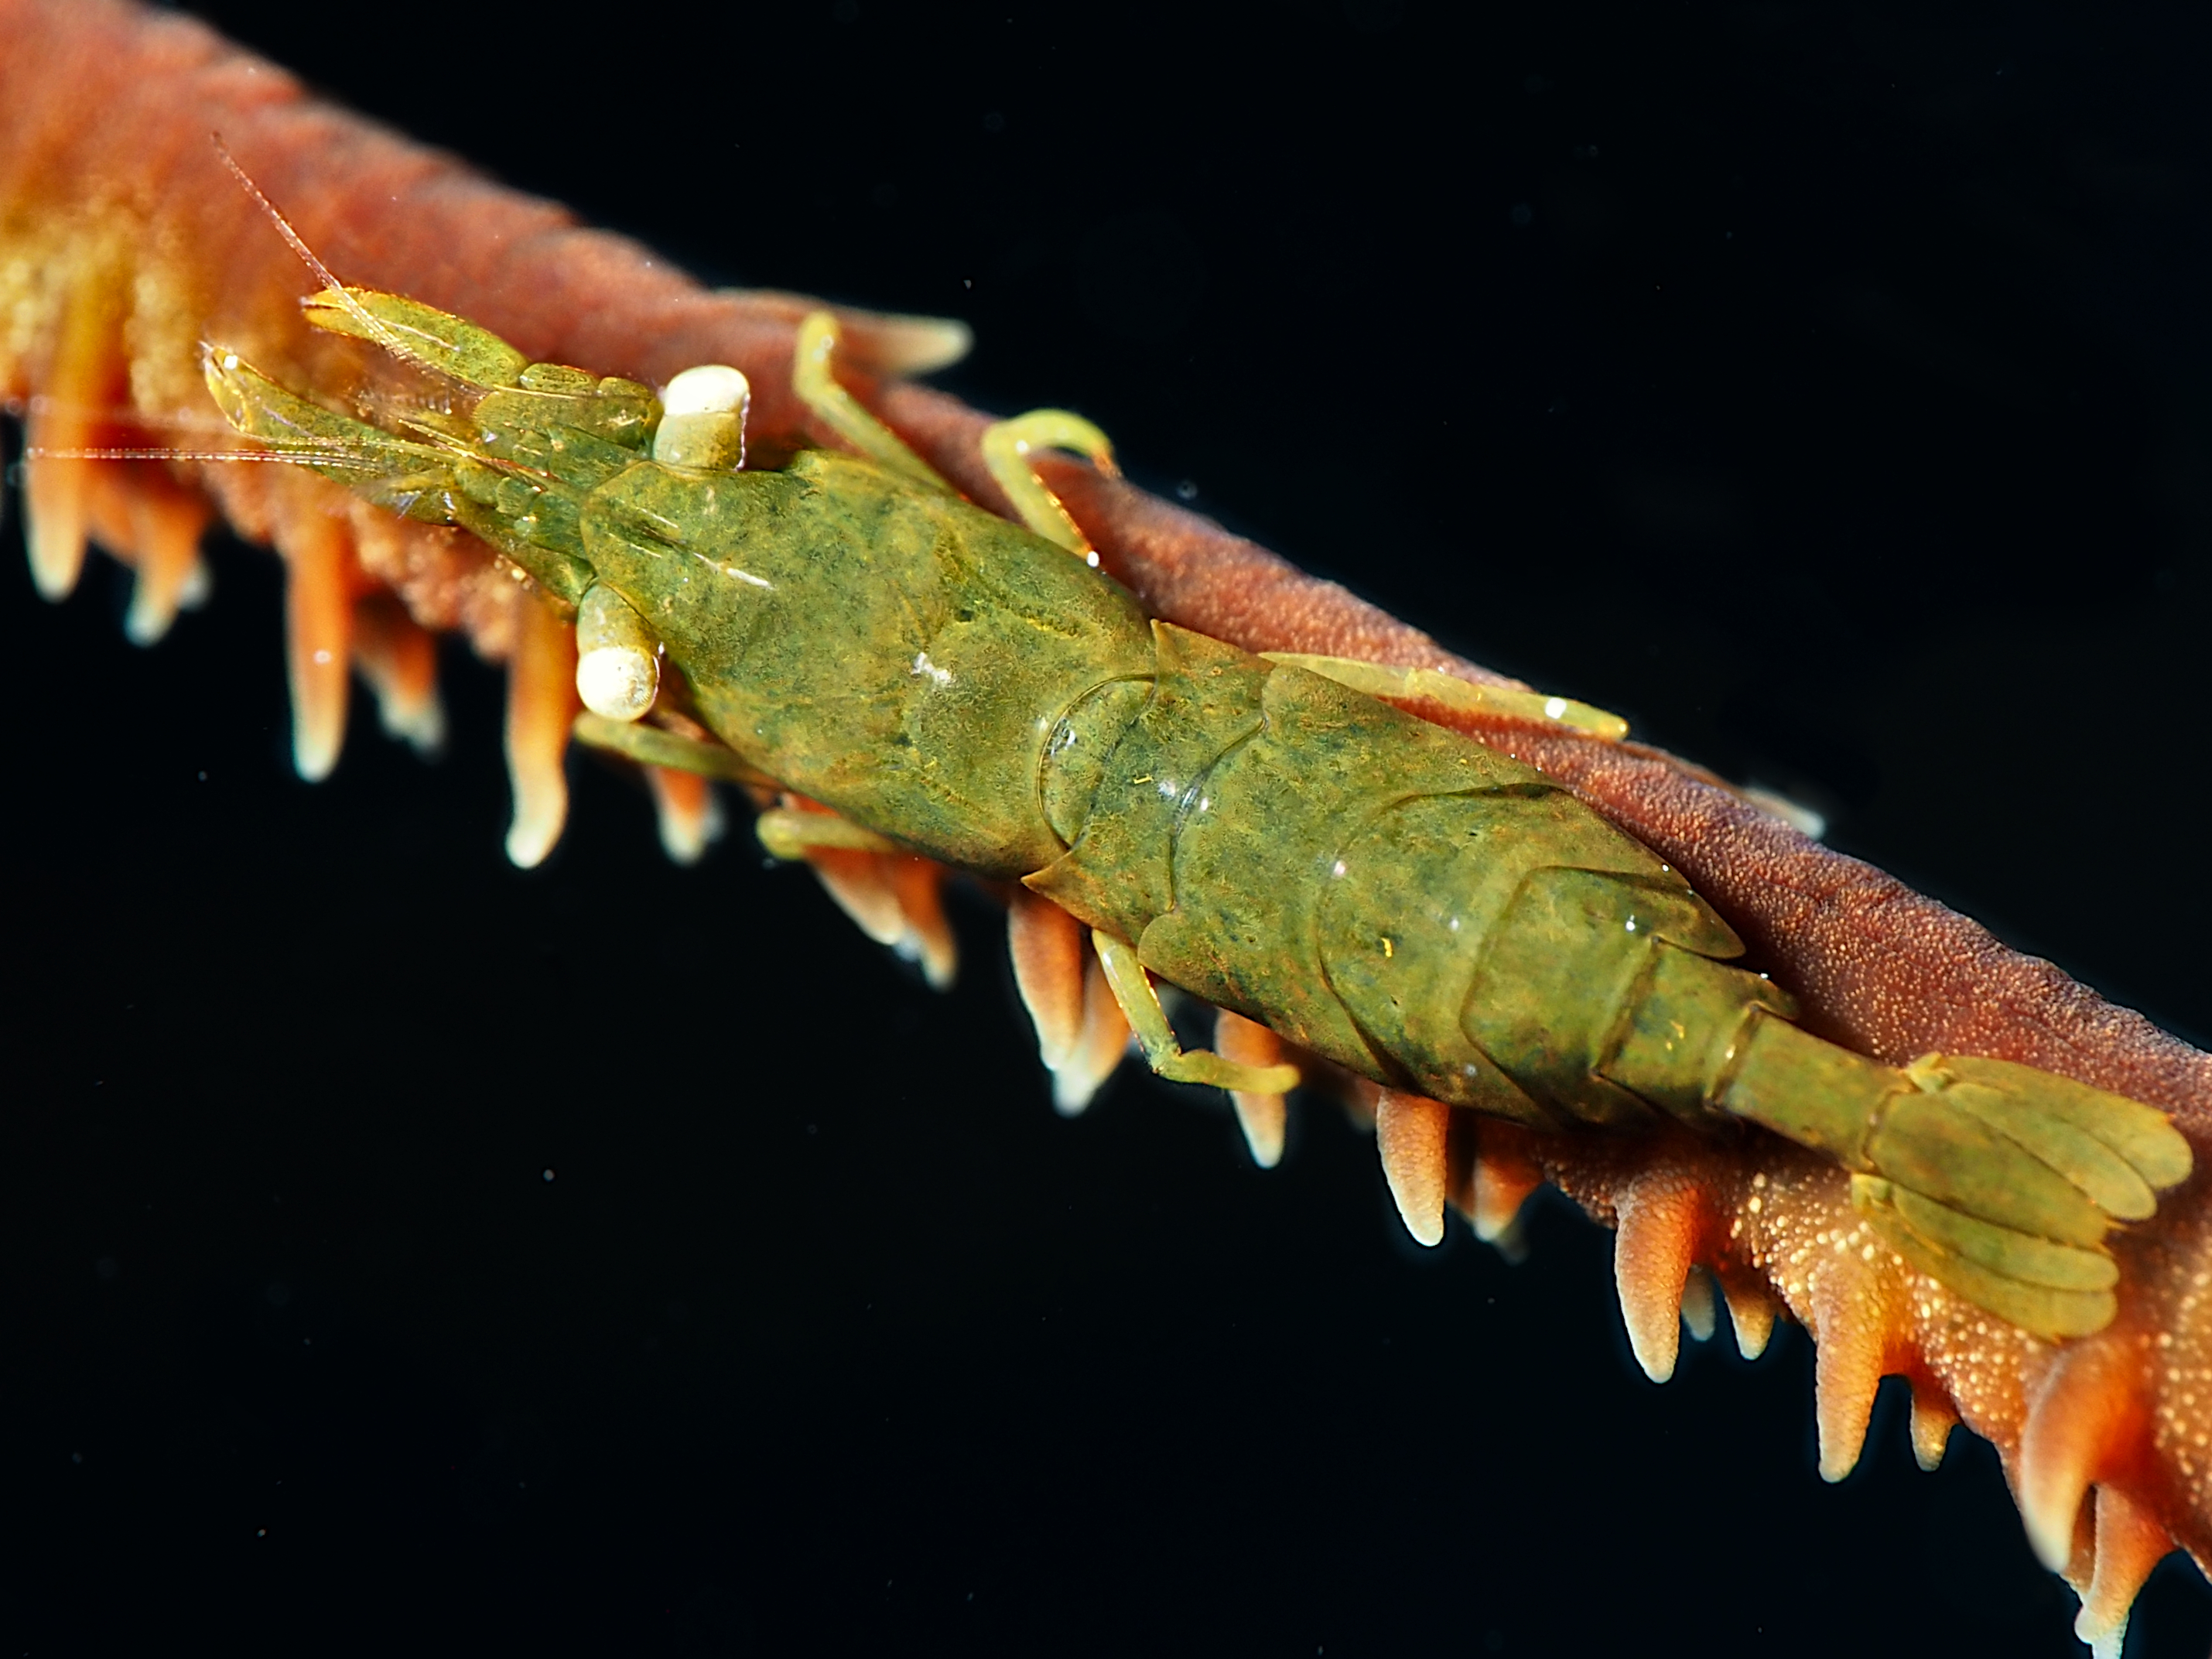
{"points": [[1049, 949], [1360, 1098], [1503, 1178], [1265, 1119], [399, 658], [541, 704], [1700, 1317], [2085, 1420], [1082, 1033], [1410, 1133], [81, 381], [2129, 1543], [1661, 1217], [54, 489], [683, 805], [1934, 1417], [148, 521], [918, 884], [1853, 1319], [895, 899], [318, 635], [862, 889], [153, 525], [1099, 1051], [166, 525], [1751, 1312]]}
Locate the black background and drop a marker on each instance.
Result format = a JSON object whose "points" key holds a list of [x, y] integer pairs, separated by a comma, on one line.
{"points": [[1825, 389]]}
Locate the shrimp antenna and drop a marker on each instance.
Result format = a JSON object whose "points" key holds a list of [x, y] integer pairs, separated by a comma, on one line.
{"points": [[281, 457], [374, 328]]}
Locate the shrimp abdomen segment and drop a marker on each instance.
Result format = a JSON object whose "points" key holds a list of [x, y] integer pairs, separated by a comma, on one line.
{"points": [[1409, 904]]}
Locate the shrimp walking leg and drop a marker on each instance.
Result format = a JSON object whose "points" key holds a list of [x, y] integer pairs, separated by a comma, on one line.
{"points": [[838, 409], [792, 834], [650, 745], [1007, 447], [1427, 686], [1141, 1004]]}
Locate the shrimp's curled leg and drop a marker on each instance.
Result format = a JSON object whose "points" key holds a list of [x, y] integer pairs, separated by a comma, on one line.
{"points": [[1141, 1004], [841, 411], [1007, 447]]}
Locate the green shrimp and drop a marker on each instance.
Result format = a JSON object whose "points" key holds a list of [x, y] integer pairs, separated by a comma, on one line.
{"points": [[1381, 894]]}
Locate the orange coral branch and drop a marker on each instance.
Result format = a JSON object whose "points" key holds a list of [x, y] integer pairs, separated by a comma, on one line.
{"points": [[129, 247]]}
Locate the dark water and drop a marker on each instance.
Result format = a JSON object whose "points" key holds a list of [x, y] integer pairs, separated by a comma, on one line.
{"points": [[1825, 389]]}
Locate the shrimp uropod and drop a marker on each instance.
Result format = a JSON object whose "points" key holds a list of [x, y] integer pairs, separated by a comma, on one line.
{"points": [[876, 1100]]}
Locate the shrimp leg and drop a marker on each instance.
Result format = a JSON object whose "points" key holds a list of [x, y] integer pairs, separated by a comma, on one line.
{"points": [[1007, 448], [841, 412], [1141, 1004]]}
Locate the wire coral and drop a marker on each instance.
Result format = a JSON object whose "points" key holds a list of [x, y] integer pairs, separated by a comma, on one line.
{"points": [[124, 247]]}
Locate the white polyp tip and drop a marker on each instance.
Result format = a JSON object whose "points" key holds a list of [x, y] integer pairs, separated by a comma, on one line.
{"points": [[530, 840], [1427, 1231], [710, 389], [149, 617], [1072, 1090], [314, 754], [618, 682]]}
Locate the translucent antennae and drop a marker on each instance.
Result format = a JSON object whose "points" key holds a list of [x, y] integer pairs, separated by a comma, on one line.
{"points": [[323, 273], [125, 415], [285, 456]]}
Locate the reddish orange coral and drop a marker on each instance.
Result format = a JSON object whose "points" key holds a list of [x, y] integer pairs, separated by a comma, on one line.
{"points": [[127, 247]]}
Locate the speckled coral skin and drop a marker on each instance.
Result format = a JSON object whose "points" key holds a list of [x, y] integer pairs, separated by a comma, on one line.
{"points": [[1875, 964]]}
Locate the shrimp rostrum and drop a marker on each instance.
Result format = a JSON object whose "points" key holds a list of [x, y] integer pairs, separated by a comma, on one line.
{"points": [[890, 669]]}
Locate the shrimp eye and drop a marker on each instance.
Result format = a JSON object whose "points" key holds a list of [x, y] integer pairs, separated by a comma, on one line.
{"points": [[702, 424]]}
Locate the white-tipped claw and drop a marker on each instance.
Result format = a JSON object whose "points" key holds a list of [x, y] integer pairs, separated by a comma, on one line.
{"points": [[618, 658]]}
